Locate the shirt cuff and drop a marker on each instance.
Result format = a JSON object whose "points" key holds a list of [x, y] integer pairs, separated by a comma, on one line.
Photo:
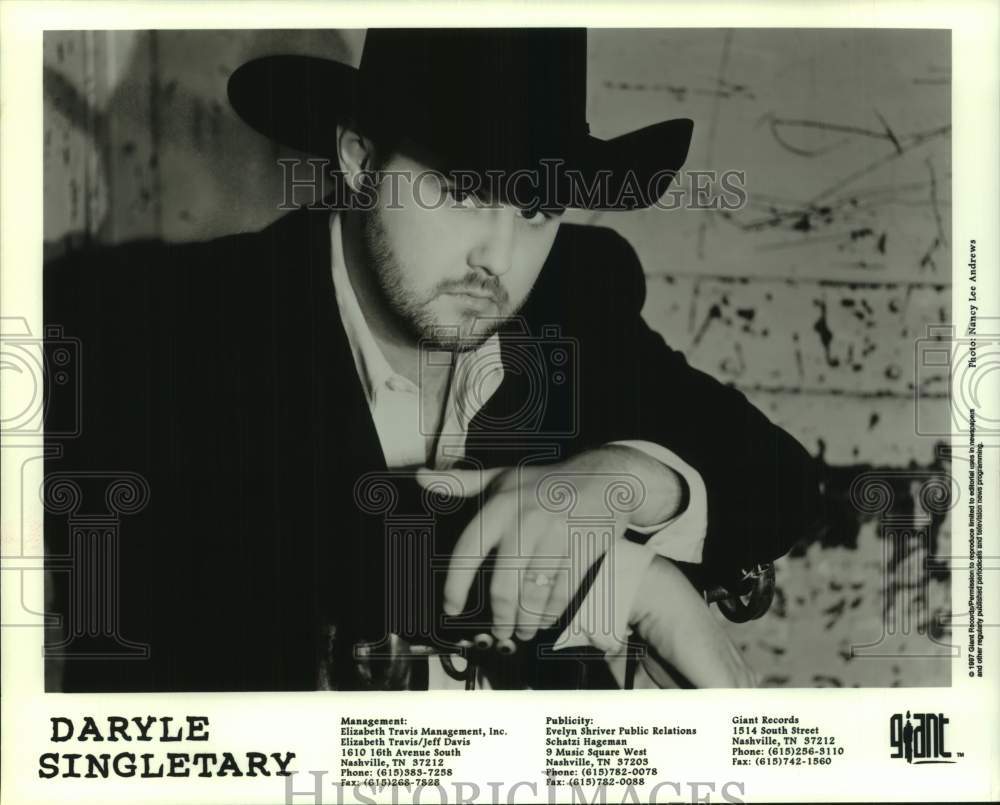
{"points": [[682, 537]]}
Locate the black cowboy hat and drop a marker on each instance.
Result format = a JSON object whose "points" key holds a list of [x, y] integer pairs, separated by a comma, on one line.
{"points": [[482, 99]]}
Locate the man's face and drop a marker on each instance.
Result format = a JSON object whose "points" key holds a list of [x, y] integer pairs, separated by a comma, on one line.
{"points": [[451, 269]]}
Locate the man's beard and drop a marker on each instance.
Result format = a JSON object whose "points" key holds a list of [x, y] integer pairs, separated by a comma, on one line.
{"points": [[412, 314]]}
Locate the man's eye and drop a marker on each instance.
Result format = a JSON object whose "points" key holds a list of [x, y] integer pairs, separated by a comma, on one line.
{"points": [[535, 216], [463, 197]]}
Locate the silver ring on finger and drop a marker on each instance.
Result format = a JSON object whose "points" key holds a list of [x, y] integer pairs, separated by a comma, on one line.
{"points": [[540, 579]]}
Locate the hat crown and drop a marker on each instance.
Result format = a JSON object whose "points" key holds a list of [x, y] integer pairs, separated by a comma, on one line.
{"points": [[507, 83], [488, 100]]}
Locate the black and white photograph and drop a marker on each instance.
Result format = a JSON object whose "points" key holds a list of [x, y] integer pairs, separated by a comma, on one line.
{"points": [[531, 358], [420, 402]]}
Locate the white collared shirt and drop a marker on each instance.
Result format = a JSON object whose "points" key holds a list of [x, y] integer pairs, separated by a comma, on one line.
{"points": [[395, 405], [394, 400]]}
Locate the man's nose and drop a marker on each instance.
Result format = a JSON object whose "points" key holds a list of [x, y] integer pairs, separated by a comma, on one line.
{"points": [[494, 252]]}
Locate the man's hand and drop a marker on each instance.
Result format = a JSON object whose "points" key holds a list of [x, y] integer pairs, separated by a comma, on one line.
{"points": [[525, 518], [671, 617]]}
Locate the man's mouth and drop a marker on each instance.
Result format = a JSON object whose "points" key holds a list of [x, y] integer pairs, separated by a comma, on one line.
{"points": [[477, 294], [486, 297], [473, 290]]}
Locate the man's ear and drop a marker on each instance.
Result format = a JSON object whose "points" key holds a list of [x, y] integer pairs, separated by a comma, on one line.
{"points": [[356, 156]]}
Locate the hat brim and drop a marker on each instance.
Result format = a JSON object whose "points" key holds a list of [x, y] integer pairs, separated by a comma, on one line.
{"points": [[299, 101]]}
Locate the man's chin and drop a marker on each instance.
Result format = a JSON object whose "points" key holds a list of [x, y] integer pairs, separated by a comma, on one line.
{"points": [[464, 337], [455, 343]]}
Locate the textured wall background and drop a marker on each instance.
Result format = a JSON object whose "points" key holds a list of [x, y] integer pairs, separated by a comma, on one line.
{"points": [[819, 299]]}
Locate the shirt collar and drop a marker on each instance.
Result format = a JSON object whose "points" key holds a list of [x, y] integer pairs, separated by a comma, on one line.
{"points": [[478, 373]]}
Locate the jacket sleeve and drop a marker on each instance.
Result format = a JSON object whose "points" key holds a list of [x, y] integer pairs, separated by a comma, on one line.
{"points": [[762, 486]]}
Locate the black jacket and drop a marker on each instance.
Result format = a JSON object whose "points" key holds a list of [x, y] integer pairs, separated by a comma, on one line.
{"points": [[217, 377]]}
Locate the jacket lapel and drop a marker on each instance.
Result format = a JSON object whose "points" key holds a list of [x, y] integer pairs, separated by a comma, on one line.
{"points": [[338, 406]]}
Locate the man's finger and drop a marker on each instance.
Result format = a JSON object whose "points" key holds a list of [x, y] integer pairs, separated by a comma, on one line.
{"points": [[457, 483], [481, 535], [503, 597], [544, 596]]}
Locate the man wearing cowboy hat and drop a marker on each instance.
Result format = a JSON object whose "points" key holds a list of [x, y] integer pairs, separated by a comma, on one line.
{"points": [[440, 337]]}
